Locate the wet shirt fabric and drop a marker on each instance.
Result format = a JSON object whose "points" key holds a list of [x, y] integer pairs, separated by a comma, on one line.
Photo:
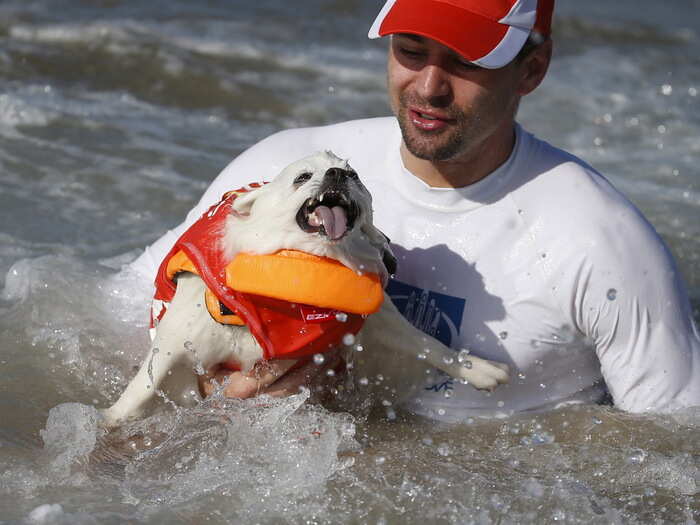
{"points": [[542, 265]]}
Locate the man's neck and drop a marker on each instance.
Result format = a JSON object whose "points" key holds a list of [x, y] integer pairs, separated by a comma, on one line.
{"points": [[469, 168]]}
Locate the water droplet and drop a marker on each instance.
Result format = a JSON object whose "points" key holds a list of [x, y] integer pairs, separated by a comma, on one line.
{"points": [[463, 356], [448, 394], [542, 438], [363, 381], [521, 376], [666, 89], [348, 339], [597, 421], [422, 356], [379, 460], [189, 346], [500, 404], [503, 335], [637, 457], [693, 92], [319, 359], [330, 372], [441, 412], [534, 488], [341, 317], [612, 294], [443, 449], [359, 348], [448, 360]]}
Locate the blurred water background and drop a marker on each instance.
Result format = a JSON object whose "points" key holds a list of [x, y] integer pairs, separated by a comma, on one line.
{"points": [[115, 115]]}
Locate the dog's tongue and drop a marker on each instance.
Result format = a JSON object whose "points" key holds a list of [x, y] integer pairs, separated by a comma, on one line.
{"points": [[334, 220]]}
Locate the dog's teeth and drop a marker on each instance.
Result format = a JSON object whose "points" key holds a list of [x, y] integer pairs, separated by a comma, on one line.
{"points": [[320, 198]]}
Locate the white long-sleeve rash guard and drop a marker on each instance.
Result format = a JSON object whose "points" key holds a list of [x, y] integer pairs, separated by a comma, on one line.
{"points": [[542, 265]]}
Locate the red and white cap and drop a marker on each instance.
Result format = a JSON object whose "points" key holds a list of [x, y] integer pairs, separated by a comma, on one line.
{"points": [[489, 33]]}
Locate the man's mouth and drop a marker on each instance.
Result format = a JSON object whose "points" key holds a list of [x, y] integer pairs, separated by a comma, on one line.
{"points": [[428, 121], [331, 214]]}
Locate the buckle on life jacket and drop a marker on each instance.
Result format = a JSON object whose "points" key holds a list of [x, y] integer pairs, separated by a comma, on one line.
{"points": [[219, 311]]}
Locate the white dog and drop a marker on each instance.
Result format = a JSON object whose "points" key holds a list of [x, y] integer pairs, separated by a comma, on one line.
{"points": [[317, 206]]}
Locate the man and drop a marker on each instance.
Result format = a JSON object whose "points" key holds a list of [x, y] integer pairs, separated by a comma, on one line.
{"points": [[506, 246]]}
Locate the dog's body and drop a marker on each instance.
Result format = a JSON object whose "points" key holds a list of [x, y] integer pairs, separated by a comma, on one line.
{"points": [[317, 206]]}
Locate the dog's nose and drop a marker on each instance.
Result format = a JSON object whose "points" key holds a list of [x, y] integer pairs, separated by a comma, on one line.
{"points": [[336, 175]]}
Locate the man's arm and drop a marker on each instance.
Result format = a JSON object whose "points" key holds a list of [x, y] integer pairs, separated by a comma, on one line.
{"points": [[632, 303]]}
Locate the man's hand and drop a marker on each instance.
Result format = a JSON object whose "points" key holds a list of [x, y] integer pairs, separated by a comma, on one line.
{"points": [[274, 378]]}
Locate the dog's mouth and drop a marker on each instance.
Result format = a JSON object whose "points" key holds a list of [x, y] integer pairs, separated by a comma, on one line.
{"points": [[331, 214]]}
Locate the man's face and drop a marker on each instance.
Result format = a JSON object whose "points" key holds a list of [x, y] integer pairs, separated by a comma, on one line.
{"points": [[448, 109]]}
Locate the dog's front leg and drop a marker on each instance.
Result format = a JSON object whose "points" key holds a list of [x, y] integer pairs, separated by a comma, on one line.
{"points": [[143, 386], [394, 332], [172, 356]]}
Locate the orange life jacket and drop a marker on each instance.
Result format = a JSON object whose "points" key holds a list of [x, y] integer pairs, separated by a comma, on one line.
{"points": [[294, 303]]}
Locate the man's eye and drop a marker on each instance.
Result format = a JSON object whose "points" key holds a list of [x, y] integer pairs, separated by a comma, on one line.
{"points": [[302, 178], [410, 53]]}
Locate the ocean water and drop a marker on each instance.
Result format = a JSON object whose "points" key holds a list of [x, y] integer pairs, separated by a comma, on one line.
{"points": [[114, 116]]}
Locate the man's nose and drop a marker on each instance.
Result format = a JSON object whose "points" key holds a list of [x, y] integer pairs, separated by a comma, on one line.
{"points": [[433, 82]]}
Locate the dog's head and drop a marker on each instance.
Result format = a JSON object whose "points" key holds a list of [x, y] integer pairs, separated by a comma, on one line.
{"points": [[316, 205]]}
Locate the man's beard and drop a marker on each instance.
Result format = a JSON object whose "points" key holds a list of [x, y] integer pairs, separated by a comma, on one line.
{"points": [[430, 145]]}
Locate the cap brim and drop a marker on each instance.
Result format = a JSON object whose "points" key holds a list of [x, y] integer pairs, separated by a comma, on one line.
{"points": [[476, 38]]}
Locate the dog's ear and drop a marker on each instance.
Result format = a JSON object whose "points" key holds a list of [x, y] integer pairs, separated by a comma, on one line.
{"points": [[389, 260], [381, 242], [244, 201]]}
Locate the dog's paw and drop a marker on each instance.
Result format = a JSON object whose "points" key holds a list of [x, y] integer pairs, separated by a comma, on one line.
{"points": [[108, 420], [483, 374], [111, 418]]}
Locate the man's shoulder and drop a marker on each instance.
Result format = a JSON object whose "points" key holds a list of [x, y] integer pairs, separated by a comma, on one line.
{"points": [[559, 182], [569, 197]]}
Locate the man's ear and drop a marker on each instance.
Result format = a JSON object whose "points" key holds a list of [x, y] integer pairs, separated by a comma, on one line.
{"points": [[534, 67]]}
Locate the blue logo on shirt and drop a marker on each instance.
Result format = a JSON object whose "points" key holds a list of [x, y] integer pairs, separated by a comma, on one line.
{"points": [[438, 315]]}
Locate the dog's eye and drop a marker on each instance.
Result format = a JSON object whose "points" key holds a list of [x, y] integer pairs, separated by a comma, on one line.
{"points": [[302, 178]]}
